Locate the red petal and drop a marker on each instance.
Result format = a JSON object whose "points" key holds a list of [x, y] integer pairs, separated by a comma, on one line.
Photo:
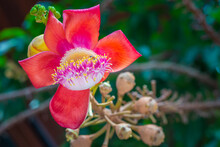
{"points": [[104, 77], [117, 47], [54, 36], [40, 67], [82, 26], [69, 108]]}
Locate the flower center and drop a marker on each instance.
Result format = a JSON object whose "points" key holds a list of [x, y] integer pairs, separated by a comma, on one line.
{"points": [[81, 69], [77, 54]]}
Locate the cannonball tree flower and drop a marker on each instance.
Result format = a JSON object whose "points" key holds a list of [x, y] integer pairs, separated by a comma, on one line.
{"points": [[76, 60]]}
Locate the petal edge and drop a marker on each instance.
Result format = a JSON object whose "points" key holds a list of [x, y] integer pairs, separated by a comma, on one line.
{"points": [[69, 108], [54, 36], [40, 67], [117, 47]]}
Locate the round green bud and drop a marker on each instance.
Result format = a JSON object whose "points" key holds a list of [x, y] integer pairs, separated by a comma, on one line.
{"points": [[52, 9], [57, 14], [41, 9], [37, 6], [33, 11]]}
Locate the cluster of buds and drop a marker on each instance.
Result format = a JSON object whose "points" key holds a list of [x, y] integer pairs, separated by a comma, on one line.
{"points": [[122, 117], [41, 13]]}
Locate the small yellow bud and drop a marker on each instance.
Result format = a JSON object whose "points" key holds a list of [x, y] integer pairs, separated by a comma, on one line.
{"points": [[123, 131], [105, 88], [145, 105], [71, 134], [125, 82], [37, 45]]}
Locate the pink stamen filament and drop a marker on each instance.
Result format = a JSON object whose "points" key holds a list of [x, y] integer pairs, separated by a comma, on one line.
{"points": [[83, 68]]}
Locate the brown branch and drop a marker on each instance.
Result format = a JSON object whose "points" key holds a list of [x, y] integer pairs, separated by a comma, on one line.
{"points": [[200, 17], [28, 113], [105, 4], [23, 115], [169, 66], [24, 92], [172, 107], [194, 106], [165, 107], [153, 65]]}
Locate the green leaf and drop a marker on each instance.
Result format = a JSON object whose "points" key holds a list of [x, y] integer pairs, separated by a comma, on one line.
{"points": [[7, 45], [11, 32]]}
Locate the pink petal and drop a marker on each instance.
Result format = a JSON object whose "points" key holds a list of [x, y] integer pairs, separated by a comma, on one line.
{"points": [[117, 47], [82, 26], [54, 36], [40, 67], [69, 108]]}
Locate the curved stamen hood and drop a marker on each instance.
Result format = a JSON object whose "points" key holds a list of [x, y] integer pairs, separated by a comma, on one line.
{"points": [[81, 69]]}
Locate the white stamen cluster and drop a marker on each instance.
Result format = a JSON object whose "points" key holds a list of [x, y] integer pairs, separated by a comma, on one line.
{"points": [[81, 74]]}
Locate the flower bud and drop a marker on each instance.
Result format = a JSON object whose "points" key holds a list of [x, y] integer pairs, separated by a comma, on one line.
{"points": [[145, 105], [82, 141], [151, 134], [33, 11], [123, 131], [37, 45], [105, 88], [71, 134], [125, 82]]}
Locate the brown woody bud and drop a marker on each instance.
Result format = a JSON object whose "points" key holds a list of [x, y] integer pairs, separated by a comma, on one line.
{"points": [[123, 131], [82, 141], [125, 82], [105, 88], [151, 134], [71, 134], [145, 105]]}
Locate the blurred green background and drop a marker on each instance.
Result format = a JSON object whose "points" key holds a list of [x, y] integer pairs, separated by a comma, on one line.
{"points": [[161, 30]]}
